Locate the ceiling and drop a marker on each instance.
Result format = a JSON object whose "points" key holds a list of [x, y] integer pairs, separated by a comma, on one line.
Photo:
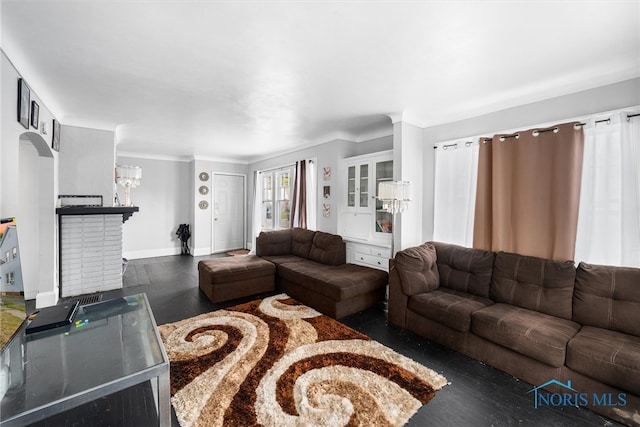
{"points": [[244, 80]]}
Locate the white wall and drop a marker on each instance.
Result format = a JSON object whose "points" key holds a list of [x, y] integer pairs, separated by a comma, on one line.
{"points": [[375, 145], [407, 166], [39, 258], [326, 155], [164, 201], [329, 154], [87, 159], [201, 219], [555, 110], [28, 221]]}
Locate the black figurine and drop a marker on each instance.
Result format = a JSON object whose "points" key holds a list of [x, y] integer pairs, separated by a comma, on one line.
{"points": [[184, 234]]}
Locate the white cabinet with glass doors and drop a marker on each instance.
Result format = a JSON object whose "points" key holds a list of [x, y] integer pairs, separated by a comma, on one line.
{"points": [[358, 188], [361, 214]]}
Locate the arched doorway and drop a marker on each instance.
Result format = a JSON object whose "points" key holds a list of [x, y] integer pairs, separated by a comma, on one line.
{"points": [[37, 218]]}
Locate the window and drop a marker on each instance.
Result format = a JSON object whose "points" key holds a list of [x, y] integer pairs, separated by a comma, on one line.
{"points": [[11, 280], [608, 229], [277, 189], [15, 253]]}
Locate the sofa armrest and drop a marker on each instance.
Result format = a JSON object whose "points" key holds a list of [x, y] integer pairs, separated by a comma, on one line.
{"points": [[398, 300]]}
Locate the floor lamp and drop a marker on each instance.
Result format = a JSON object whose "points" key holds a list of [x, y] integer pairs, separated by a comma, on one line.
{"points": [[395, 197]]}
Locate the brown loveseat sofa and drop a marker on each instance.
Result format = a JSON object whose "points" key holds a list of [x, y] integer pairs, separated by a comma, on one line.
{"points": [[311, 267], [536, 319]]}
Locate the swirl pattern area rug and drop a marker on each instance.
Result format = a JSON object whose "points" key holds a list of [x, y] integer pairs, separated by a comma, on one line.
{"points": [[276, 362]]}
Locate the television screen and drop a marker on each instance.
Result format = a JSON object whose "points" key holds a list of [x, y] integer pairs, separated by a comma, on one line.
{"points": [[12, 302]]}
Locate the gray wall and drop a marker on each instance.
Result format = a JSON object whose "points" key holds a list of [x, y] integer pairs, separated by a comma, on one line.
{"points": [[329, 154], [21, 167], [87, 159], [555, 110], [168, 195], [164, 201], [201, 220]]}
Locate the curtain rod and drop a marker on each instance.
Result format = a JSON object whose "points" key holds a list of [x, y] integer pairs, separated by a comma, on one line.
{"points": [[555, 129], [629, 117], [485, 139], [280, 168], [444, 147], [514, 135]]}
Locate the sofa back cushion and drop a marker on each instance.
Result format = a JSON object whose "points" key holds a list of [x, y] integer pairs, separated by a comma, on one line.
{"points": [[608, 297], [465, 269], [417, 269], [301, 241], [328, 249], [273, 243], [534, 283]]}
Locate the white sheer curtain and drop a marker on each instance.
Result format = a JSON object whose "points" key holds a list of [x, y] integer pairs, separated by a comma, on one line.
{"points": [[609, 215], [312, 194], [256, 220], [456, 174]]}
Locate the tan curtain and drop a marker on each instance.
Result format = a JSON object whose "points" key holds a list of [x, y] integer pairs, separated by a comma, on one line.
{"points": [[528, 192], [299, 202]]}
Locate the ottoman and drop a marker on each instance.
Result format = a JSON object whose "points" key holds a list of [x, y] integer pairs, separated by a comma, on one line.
{"points": [[223, 279]]}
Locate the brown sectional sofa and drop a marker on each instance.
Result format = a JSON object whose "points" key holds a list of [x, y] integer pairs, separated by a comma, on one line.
{"points": [[533, 318], [311, 267]]}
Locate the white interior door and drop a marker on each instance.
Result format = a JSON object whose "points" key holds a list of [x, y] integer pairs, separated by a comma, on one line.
{"points": [[228, 212]]}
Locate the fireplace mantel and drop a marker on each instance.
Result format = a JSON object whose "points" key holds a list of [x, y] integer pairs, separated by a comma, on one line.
{"points": [[126, 211]]}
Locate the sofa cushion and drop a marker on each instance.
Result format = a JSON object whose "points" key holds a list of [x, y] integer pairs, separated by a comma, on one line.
{"points": [[338, 282], [417, 269], [608, 297], [273, 243], [230, 269], [535, 283], [448, 306], [327, 249], [283, 259], [301, 241], [607, 356], [465, 269], [537, 335]]}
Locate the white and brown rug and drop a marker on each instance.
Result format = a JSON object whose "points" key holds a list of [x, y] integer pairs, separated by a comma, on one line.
{"points": [[276, 362]]}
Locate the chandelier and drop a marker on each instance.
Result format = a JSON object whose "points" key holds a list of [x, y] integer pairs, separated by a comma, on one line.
{"points": [[129, 177]]}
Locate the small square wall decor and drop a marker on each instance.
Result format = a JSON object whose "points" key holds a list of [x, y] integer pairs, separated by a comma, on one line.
{"points": [[326, 173]]}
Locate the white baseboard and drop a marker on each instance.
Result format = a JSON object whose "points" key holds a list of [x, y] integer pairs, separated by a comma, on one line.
{"points": [[151, 253], [200, 251]]}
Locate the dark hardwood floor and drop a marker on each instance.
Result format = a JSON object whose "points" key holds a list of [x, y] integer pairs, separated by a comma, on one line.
{"points": [[478, 395]]}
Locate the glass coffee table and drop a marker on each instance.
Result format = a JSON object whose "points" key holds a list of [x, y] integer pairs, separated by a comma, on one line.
{"points": [[110, 347]]}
